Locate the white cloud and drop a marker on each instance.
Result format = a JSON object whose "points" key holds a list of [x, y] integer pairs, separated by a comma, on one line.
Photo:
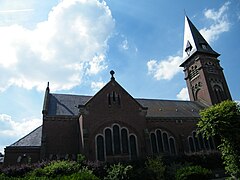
{"points": [[183, 94], [165, 69], [70, 44], [96, 86], [12, 130], [220, 25], [124, 44]]}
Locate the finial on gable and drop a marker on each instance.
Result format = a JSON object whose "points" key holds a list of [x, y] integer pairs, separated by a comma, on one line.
{"points": [[112, 73], [47, 89]]}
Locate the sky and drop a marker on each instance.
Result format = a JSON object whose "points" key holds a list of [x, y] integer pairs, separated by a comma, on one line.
{"points": [[73, 45]]}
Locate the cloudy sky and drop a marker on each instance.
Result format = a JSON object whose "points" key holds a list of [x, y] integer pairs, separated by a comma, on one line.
{"points": [[74, 44]]}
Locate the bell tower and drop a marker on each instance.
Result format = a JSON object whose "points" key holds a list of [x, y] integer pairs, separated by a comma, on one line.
{"points": [[204, 75]]}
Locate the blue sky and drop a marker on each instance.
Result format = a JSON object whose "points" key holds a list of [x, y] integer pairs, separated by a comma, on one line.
{"points": [[74, 44]]}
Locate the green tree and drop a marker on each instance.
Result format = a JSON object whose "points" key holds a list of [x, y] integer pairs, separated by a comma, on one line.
{"points": [[223, 121]]}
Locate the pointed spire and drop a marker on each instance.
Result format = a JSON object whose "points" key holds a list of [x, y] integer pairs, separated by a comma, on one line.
{"points": [[194, 41]]}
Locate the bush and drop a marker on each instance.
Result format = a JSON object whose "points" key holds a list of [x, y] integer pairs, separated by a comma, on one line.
{"points": [[17, 171], [84, 173], [155, 168], [193, 172], [56, 168], [118, 171], [80, 159], [172, 169]]}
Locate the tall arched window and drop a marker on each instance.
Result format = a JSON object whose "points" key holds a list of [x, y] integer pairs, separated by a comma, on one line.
{"points": [[201, 141], [198, 143], [108, 141], [219, 93], [191, 144], [116, 141], [124, 136], [133, 147], [161, 142], [100, 148], [195, 138], [172, 145], [165, 141], [154, 143]]}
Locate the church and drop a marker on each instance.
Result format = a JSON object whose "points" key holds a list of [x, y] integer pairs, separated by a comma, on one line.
{"points": [[114, 126]]}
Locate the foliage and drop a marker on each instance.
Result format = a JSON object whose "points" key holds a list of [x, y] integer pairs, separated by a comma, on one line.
{"points": [[56, 168], [97, 167], [192, 172], [222, 120], [172, 169], [118, 171], [80, 159], [156, 167], [84, 173], [17, 171]]}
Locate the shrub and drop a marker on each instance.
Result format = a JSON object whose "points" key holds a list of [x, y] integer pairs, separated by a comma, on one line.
{"points": [[97, 167], [172, 169], [80, 159], [56, 168], [118, 171], [84, 173], [17, 171], [192, 172], [155, 168]]}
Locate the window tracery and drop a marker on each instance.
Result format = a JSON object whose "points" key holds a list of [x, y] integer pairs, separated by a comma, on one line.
{"points": [[197, 143], [116, 141], [162, 142]]}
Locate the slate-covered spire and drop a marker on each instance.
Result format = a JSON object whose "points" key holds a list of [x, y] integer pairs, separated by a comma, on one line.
{"points": [[194, 41]]}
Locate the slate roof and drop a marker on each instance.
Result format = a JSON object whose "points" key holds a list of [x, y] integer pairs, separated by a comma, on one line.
{"points": [[65, 104], [171, 108], [32, 139]]}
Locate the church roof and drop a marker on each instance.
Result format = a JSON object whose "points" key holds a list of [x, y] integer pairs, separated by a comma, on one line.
{"points": [[194, 41], [32, 139], [171, 108], [66, 104]]}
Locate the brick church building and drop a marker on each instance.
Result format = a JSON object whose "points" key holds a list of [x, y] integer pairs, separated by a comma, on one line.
{"points": [[112, 125]]}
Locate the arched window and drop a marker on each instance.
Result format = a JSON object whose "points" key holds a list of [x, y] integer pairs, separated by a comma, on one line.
{"points": [[198, 143], [154, 143], [100, 148], [219, 93], [165, 141], [201, 141], [108, 141], [116, 141], [124, 136], [133, 147], [191, 144], [172, 145], [159, 140]]}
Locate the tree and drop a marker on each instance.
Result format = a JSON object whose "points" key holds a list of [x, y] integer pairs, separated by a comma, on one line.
{"points": [[223, 120]]}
